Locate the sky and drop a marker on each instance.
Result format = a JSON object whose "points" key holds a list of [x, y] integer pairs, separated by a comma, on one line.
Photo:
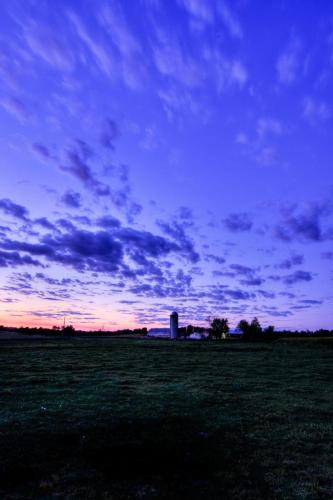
{"points": [[166, 155]]}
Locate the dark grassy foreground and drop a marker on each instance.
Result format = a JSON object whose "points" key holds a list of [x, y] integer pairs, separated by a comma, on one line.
{"points": [[120, 419]]}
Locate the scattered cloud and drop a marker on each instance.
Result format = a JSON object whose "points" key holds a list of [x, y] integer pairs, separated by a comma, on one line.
{"points": [[289, 62], [304, 223], [293, 260], [71, 199], [14, 210], [296, 277], [15, 107], [315, 111], [238, 222], [229, 18]]}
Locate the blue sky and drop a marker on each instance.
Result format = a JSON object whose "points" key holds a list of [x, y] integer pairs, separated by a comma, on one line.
{"points": [[166, 155]]}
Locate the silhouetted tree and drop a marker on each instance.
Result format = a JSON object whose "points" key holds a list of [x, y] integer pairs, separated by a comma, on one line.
{"points": [[245, 328], [68, 330], [251, 331], [255, 327], [220, 328]]}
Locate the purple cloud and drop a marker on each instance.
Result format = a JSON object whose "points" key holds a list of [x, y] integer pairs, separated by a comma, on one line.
{"points": [[238, 222], [13, 209]]}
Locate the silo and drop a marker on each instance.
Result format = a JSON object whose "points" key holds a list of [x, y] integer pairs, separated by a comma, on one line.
{"points": [[174, 325]]}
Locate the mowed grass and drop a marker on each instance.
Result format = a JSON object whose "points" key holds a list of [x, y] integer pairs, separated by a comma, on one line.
{"points": [[119, 419]]}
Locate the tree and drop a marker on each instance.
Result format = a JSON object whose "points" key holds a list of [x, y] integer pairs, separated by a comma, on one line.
{"points": [[245, 328], [255, 327], [68, 330], [220, 328], [251, 331]]}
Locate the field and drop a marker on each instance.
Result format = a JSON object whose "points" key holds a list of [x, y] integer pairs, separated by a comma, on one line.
{"points": [[145, 419]]}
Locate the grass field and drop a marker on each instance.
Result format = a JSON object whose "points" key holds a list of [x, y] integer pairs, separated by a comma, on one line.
{"points": [[145, 419]]}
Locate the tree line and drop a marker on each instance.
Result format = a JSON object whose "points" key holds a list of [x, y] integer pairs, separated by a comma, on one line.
{"points": [[219, 329]]}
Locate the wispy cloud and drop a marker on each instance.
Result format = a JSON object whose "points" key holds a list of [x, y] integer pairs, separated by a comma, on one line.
{"points": [[315, 111], [288, 65]]}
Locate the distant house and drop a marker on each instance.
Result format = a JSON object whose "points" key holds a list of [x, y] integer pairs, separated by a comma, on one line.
{"points": [[198, 336], [159, 332]]}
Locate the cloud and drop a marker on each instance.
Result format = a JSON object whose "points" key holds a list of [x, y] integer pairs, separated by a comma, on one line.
{"points": [[267, 156], [171, 61], [14, 259], [14, 210], [311, 302], [114, 49], [109, 134], [327, 255], [304, 224], [45, 223], [230, 20], [103, 53], [120, 251], [107, 221], [177, 232], [202, 10], [71, 199], [238, 73], [242, 270], [252, 282], [315, 111], [268, 126], [114, 21], [215, 258], [42, 151], [293, 260], [238, 222], [76, 163], [288, 63], [296, 277], [15, 107], [48, 45], [149, 141]]}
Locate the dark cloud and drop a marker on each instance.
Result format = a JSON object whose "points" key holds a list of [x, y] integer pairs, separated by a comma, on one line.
{"points": [[242, 270], [44, 222], [107, 221], [293, 260], [266, 295], [238, 222], [297, 277], [215, 258], [239, 294], [252, 282], [109, 134], [311, 302], [185, 213], [147, 243], [65, 224], [71, 199], [122, 251], [82, 219], [10, 208], [42, 151], [305, 224], [14, 259], [176, 231], [289, 295], [77, 164]]}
